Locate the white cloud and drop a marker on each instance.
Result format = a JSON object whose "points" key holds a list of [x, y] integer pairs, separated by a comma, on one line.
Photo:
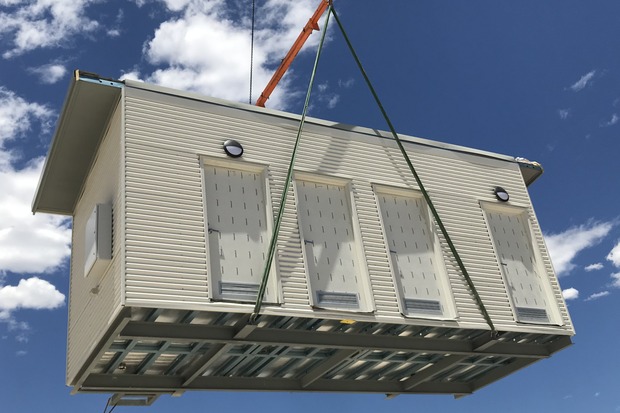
{"points": [[17, 115], [614, 119], [333, 101], [50, 73], [326, 96], [563, 247], [563, 113], [583, 81], [29, 243], [131, 75], [614, 255], [570, 294], [596, 296], [615, 280], [31, 293], [44, 23], [206, 47], [346, 83], [593, 267]]}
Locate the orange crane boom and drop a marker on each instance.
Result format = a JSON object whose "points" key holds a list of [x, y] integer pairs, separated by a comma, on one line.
{"points": [[313, 24]]}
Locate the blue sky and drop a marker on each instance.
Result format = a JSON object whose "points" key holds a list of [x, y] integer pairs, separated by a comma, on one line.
{"points": [[538, 79]]}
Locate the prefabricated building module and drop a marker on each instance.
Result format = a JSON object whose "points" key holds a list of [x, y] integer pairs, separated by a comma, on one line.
{"points": [[174, 197]]}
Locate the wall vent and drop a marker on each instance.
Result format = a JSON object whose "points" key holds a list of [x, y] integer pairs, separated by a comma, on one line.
{"points": [[336, 299], [427, 307], [532, 315], [98, 240], [236, 290]]}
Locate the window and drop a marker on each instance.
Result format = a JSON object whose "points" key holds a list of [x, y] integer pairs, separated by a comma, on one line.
{"points": [[337, 276], [417, 263], [520, 264], [239, 230]]}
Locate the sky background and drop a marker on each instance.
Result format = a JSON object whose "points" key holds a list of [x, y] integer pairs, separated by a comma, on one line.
{"points": [[533, 78]]}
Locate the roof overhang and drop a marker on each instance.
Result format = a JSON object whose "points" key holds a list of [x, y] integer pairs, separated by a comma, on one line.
{"points": [[531, 171], [82, 124]]}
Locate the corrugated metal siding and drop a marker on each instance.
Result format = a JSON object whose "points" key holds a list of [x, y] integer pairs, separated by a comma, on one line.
{"points": [[94, 299], [167, 134]]}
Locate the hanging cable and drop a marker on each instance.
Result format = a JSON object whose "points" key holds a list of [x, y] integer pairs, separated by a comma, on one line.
{"points": [[289, 176], [105, 409], [429, 202], [252, 49]]}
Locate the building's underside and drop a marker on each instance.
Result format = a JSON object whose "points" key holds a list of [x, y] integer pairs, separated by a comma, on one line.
{"points": [[147, 352]]}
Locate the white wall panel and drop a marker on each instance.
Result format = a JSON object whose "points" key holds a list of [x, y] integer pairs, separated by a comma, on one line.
{"points": [[337, 275], [167, 134], [510, 231], [239, 232], [94, 299], [417, 263]]}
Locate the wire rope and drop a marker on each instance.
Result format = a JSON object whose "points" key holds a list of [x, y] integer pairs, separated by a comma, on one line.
{"points": [[252, 49], [289, 176], [427, 197]]}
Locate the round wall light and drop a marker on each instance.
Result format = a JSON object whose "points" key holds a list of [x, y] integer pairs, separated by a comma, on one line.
{"points": [[233, 148], [501, 194]]}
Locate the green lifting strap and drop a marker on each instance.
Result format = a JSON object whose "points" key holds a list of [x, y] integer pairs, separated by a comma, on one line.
{"points": [[289, 176], [456, 255]]}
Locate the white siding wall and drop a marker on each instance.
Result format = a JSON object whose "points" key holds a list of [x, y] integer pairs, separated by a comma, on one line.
{"points": [[95, 299], [166, 255]]}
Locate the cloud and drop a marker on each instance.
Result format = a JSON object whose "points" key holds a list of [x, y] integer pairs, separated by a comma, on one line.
{"points": [[205, 47], [583, 81], [593, 267], [43, 24], [596, 296], [614, 119], [29, 243], [346, 84], [326, 96], [614, 255], [570, 294], [615, 280], [563, 113], [563, 247], [17, 115], [50, 73], [31, 293]]}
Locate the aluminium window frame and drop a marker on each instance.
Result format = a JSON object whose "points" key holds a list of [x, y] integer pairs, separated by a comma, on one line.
{"points": [[526, 212], [367, 304], [239, 164], [450, 308]]}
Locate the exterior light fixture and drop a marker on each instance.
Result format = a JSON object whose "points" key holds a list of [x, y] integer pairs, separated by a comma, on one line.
{"points": [[501, 194], [233, 148]]}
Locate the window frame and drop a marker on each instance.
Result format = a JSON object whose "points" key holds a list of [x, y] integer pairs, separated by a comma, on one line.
{"points": [[554, 315], [449, 303], [274, 274], [366, 298]]}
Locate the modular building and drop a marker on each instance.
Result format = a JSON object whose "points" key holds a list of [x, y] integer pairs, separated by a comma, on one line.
{"points": [[171, 232]]}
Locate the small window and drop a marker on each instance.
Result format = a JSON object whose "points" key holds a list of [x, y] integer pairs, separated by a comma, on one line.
{"points": [[417, 263], [338, 278], [520, 264], [239, 230]]}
